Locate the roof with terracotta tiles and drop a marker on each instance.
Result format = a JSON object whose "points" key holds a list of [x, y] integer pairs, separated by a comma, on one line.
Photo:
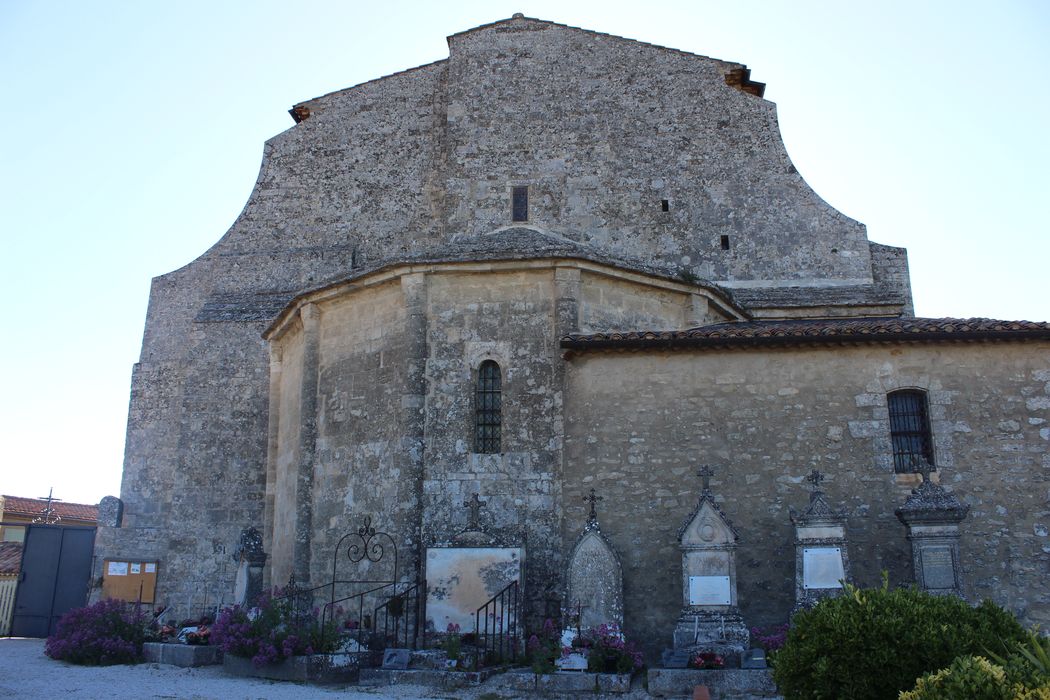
{"points": [[32, 507], [742, 334], [10, 557]]}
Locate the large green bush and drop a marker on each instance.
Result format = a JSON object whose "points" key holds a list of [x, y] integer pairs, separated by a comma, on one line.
{"points": [[873, 644]]}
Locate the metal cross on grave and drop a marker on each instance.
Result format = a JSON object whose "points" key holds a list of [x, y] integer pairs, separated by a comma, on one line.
{"points": [[475, 504], [593, 500], [705, 473], [815, 478]]}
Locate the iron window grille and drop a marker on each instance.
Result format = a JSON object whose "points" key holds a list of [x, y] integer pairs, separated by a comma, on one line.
{"points": [[909, 430], [519, 206], [488, 408]]}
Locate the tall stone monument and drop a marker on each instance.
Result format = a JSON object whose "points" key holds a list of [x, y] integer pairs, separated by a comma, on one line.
{"points": [[932, 515], [710, 618], [250, 558], [821, 560], [595, 576]]}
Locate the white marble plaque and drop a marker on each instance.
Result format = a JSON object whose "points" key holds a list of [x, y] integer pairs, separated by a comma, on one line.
{"points": [[822, 567], [709, 590]]}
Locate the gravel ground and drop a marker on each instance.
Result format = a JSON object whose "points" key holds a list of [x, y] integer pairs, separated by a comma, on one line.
{"points": [[26, 673]]}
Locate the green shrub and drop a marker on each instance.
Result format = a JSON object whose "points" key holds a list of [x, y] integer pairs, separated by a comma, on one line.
{"points": [[976, 678], [873, 644]]}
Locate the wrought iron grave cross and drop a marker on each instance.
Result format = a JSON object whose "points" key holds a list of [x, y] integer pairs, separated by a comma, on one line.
{"points": [[593, 500]]}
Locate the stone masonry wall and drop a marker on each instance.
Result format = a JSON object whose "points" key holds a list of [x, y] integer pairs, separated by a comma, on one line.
{"points": [[602, 129], [639, 425]]}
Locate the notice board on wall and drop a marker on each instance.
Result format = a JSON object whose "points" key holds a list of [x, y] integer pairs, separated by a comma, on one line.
{"points": [[129, 580]]}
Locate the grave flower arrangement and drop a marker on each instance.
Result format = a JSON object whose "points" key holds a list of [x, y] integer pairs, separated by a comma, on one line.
{"points": [[770, 638], [273, 631], [608, 651], [453, 642], [707, 660]]}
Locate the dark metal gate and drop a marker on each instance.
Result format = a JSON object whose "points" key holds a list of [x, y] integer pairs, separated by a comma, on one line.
{"points": [[54, 577]]}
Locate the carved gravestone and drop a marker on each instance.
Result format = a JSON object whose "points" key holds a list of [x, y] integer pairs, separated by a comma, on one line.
{"points": [[710, 619], [595, 577], [821, 560], [932, 516], [250, 558]]}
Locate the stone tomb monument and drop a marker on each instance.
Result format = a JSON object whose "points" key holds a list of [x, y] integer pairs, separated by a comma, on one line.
{"points": [[595, 577], [710, 619], [465, 576], [250, 558], [821, 561], [932, 516]]}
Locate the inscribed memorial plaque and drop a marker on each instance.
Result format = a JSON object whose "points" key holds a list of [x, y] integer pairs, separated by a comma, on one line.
{"points": [[709, 590], [396, 659], [822, 567], [937, 568]]}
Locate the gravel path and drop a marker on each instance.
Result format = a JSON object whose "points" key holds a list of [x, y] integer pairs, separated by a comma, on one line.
{"points": [[26, 673]]}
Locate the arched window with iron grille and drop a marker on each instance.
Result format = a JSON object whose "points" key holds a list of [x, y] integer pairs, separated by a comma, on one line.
{"points": [[488, 408], [909, 429]]}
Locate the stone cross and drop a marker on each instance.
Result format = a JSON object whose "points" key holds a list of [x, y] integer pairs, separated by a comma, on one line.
{"points": [[706, 473], [815, 478], [593, 500], [475, 504], [923, 466]]}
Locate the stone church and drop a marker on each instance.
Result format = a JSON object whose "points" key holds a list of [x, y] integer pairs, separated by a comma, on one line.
{"points": [[558, 261]]}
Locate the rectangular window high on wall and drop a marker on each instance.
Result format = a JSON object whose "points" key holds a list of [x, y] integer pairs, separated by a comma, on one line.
{"points": [[488, 408], [519, 206], [910, 430]]}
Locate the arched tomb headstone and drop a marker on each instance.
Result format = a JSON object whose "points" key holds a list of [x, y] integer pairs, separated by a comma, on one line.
{"points": [[595, 577]]}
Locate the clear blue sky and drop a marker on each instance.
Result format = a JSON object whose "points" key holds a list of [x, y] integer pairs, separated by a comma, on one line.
{"points": [[132, 134]]}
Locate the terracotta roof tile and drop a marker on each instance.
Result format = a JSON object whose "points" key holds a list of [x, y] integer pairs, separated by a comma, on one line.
{"points": [[16, 505], [10, 557], [822, 331]]}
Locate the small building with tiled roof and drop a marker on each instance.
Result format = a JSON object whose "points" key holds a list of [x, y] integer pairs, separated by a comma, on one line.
{"points": [[559, 261]]}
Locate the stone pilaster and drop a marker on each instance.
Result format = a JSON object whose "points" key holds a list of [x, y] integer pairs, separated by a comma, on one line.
{"points": [[304, 481], [273, 425]]}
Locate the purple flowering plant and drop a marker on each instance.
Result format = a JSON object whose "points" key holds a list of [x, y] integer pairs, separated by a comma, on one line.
{"points": [[273, 631], [108, 632], [770, 638], [608, 651], [543, 648]]}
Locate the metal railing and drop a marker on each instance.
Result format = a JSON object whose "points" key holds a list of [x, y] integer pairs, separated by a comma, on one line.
{"points": [[496, 626]]}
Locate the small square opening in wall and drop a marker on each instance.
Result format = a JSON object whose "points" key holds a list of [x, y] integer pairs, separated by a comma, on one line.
{"points": [[725, 242], [519, 204], [665, 205]]}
